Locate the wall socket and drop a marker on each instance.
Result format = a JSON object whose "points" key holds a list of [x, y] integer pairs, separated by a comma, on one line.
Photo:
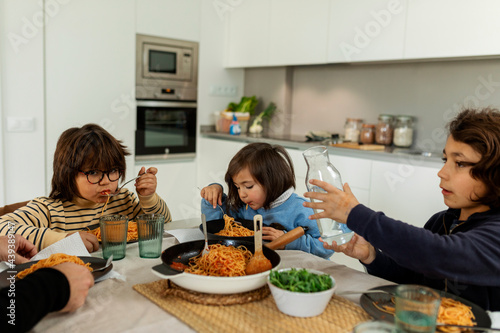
{"points": [[20, 124], [220, 90]]}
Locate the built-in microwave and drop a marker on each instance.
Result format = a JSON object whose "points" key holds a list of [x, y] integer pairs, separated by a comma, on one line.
{"points": [[166, 69], [165, 130]]}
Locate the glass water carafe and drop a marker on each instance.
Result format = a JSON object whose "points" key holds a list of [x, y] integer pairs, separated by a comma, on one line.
{"points": [[319, 167]]}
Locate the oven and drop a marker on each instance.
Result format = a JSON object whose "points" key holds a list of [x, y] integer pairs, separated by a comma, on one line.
{"points": [[165, 130]]}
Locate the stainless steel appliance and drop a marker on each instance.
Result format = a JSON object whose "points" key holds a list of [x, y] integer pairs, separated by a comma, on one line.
{"points": [[165, 130], [166, 93], [166, 68]]}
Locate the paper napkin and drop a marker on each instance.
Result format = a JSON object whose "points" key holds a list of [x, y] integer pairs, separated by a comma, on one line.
{"points": [[73, 245], [186, 235]]}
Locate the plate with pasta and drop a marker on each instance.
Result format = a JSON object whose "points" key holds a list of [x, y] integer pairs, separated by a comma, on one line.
{"points": [[23, 270], [132, 235], [453, 309]]}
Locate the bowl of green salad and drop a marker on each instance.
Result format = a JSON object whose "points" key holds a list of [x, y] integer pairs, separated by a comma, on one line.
{"points": [[301, 292]]}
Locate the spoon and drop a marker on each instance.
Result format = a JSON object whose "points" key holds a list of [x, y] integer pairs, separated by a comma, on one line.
{"points": [[204, 222], [259, 263], [108, 262]]}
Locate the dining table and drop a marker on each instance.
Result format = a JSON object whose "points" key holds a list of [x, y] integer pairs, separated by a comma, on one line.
{"points": [[113, 305]]}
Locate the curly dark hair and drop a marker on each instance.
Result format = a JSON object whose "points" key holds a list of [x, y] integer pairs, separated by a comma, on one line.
{"points": [[270, 166], [89, 147], [480, 129]]}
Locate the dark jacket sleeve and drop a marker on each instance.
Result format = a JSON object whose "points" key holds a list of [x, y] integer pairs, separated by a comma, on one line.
{"points": [[436, 256], [27, 301]]}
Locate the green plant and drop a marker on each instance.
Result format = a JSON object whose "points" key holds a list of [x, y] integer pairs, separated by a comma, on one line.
{"points": [[246, 104], [267, 114]]}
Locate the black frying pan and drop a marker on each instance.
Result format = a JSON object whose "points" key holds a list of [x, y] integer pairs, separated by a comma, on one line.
{"points": [[215, 226]]}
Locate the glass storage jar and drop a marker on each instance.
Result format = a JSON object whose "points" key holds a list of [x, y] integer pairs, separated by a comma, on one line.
{"points": [[367, 134], [351, 129], [403, 131], [384, 130]]}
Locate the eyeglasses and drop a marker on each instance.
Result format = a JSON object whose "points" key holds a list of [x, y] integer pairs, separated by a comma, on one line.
{"points": [[95, 176]]}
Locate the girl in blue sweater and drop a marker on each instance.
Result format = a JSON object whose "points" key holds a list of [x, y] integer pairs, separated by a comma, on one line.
{"points": [[261, 180], [458, 249]]}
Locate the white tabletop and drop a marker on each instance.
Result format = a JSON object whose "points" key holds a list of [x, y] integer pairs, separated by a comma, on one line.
{"points": [[113, 306]]}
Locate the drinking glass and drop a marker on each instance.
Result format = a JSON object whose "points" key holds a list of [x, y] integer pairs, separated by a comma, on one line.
{"points": [[114, 235], [150, 230], [416, 309]]}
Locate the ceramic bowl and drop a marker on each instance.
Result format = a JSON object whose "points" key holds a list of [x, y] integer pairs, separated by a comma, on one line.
{"points": [[300, 304]]}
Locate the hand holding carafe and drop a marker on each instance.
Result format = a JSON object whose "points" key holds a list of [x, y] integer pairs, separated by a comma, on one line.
{"points": [[325, 188]]}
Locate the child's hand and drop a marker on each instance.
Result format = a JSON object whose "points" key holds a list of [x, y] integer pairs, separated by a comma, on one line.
{"points": [[336, 204], [357, 248], [270, 234], [213, 194], [89, 240], [146, 185]]}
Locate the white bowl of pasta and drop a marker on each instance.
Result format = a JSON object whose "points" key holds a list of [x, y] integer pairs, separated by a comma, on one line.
{"points": [[301, 292]]}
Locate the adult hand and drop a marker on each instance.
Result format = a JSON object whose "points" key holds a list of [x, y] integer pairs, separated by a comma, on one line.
{"points": [[17, 246], [146, 185], [357, 248], [270, 234], [336, 204], [89, 240], [80, 280], [213, 194]]}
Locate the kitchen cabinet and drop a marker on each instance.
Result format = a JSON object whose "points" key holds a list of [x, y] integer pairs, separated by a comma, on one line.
{"points": [[277, 33], [298, 32], [169, 18], [247, 34], [447, 28], [90, 71], [366, 30], [212, 161], [405, 192], [176, 184]]}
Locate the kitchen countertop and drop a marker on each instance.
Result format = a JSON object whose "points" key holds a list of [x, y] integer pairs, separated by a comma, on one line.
{"points": [[389, 154]]}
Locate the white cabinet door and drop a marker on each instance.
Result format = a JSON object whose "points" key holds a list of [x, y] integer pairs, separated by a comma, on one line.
{"points": [[176, 184], [172, 19], [450, 28], [247, 34], [90, 70], [366, 30], [405, 192], [298, 32], [357, 173], [277, 33], [212, 161]]}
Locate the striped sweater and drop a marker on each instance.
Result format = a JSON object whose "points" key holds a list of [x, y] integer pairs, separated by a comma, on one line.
{"points": [[45, 221]]}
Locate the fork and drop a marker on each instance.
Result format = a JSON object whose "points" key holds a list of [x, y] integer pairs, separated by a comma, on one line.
{"points": [[204, 222], [128, 181]]}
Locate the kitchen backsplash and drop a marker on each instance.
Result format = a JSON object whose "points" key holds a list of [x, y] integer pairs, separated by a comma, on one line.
{"points": [[322, 97]]}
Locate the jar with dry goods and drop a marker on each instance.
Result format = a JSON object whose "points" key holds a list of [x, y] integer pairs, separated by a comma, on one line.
{"points": [[403, 131], [384, 130], [352, 129], [367, 134]]}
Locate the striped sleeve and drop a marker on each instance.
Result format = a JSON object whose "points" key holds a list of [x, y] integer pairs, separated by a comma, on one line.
{"points": [[32, 222], [155, 204]]}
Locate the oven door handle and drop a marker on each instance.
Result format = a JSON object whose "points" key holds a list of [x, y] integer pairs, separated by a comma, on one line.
{"points": [[167, 104]]}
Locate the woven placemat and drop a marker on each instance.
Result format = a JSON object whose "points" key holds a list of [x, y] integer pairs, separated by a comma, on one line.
{"points": [[340, 315], [167, 287]]}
